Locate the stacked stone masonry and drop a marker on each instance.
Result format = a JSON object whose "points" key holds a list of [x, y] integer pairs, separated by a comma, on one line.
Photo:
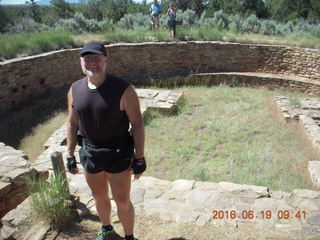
{"points": [[13, 167], [22, 77], [306, 111]]}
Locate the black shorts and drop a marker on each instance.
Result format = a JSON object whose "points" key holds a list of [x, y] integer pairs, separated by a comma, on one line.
{"points": [[96, 158]]}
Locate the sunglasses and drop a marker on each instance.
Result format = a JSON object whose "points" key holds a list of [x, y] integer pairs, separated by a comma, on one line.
{"points": [[91, 59]]}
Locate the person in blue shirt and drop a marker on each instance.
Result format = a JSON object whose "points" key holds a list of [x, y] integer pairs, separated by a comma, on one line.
{"points": [[155, 11]]}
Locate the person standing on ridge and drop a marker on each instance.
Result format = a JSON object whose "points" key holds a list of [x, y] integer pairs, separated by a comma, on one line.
{"points": [[155, 11], [172, 20]]}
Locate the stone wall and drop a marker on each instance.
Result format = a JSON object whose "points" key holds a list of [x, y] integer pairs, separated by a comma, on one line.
{"points": [[169, 59], [27, 76], [31, 76], [269, 81], [13, 168]]}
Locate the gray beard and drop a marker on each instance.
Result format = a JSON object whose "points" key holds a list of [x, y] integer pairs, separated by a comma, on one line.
{"points": [[91, 74]]}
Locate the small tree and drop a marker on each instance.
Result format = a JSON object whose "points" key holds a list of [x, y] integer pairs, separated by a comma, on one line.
{"points": [[4, 20], [35, 14], [62, 8]]}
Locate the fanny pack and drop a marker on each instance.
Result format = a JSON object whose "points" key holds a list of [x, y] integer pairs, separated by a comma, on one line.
{"points": [[97, 155]]}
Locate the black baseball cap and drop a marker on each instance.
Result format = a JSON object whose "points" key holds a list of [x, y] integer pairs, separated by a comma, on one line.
{"points": [[93, 47]]}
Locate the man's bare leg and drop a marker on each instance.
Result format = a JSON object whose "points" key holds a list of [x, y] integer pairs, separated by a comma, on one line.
{"points": [[120, 184], [98, 184]]}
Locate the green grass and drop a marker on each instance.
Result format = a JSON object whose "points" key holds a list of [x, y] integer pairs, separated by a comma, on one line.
{"points": [[200, 33], [295, 101], [227, 134], [32, 43], [120, 35], [11, 45], [50, 200]]}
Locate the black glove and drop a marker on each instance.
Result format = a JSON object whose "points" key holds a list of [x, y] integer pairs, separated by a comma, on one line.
{"points": [[138, 165], [71, 163]]}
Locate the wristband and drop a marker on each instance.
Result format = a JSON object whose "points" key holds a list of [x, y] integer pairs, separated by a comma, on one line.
{"points": [[71, 163], [139, 165]]}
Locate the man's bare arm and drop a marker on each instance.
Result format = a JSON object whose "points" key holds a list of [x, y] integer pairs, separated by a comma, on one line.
{"points": [[132, 107], [72, 127]]}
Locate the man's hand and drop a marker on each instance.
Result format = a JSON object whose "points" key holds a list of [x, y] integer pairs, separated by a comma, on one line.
{"points": [[138, 166], [72, 165], [137, 176]]}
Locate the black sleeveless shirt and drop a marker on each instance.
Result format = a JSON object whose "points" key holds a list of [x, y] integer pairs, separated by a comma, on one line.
{"points": [[100, 117]]}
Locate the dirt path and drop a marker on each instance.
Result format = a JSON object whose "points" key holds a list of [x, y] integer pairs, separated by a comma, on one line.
{"points": [[151, 228]]}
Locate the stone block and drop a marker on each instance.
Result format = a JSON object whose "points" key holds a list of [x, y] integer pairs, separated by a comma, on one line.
{"points": [[286, 228], [137, 195], [279, 194], [150, 182], [186, 216], [247, 191], [314, 171], [305, 193], [18, 215], [198, 197], [155, 203], [203, 219], [14, 198], [7, 233], [154, 192], [182, 185], [5, 187]]}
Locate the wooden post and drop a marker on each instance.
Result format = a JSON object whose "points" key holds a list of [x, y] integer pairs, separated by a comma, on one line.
{"points": [[58, 167]]}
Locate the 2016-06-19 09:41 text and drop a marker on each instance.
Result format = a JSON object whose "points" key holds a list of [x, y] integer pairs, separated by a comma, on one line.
{"points": [[264, 214]]}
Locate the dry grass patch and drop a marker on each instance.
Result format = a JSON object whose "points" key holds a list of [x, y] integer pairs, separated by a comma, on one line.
{"points": [[86, 37], [32, 144], [147, 228]]}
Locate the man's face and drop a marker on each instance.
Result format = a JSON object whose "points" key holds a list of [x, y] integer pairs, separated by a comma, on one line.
{"points": [[93, 64]]}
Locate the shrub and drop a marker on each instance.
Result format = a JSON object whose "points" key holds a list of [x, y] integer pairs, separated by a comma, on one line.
{"points": [[315, 30], [50, 200], [27, 24], [201, 174], [79, 24], [235, 22], [251, 24], [136, 20], [221, 20], [187, 17], [268, 27], [67, 25], [106, 24]]}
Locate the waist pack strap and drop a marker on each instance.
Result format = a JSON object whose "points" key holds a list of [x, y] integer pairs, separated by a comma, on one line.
{"points": [[112, 144]]}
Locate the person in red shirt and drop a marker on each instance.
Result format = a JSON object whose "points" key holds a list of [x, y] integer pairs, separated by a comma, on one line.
{"points": [[172, 20]]}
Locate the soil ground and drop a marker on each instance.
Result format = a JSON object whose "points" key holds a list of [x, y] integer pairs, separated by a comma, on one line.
{"points": [[149, 228]]}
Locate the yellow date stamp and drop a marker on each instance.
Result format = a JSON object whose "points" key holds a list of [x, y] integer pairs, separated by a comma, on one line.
{"points": [[264, 214]]}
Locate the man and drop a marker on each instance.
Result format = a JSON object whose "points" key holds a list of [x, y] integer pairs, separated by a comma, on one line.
{"points": [[101, 108], [155, 11]]}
